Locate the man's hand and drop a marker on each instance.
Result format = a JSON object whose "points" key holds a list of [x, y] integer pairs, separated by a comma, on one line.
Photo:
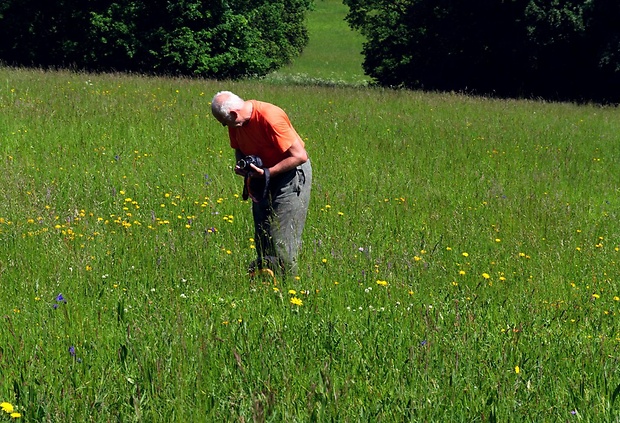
{"points": [[256, 172], [242, 172], [253, 172]]}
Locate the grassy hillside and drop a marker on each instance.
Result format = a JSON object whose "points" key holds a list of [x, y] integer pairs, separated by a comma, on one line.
{"points": [[333, 54], [460, 258]]}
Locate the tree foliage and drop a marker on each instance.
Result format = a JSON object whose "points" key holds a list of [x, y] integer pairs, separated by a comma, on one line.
{"points": [[549, 48], [210, 38]]}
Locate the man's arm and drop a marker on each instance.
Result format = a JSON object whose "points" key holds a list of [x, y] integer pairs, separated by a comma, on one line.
{"points": [[295, 156]]}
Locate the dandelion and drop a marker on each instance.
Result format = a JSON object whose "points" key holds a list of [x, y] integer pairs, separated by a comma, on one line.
{"points": [[462, 272], [292, 292], [486, 276], [296, 301], [7, 407], [517, 370], [382, 283], [15, 415], [465, 254]]}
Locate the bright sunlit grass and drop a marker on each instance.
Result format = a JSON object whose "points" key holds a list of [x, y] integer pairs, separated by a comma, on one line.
{"points": [[333, 55], [460, 258]]}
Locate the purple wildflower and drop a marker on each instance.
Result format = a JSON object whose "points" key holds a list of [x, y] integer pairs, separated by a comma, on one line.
{"points": [[59, 299], [72, 351]]}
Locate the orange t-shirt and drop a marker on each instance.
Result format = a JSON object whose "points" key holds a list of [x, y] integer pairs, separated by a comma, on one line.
{"points": [[268, 134]]}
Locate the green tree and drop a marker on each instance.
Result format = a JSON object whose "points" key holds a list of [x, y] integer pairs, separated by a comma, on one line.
{"points": [[556, 49], [210, 38]]}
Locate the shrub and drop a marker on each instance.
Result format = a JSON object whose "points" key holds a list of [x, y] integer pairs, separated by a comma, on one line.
{"points": [[223, 39], [559, 49]]}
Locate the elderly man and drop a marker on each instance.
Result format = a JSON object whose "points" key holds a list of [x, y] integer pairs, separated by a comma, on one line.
{"points": [[277, 172]]}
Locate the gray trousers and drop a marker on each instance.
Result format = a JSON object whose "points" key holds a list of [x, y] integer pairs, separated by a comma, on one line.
{"points": [[280, 217]]}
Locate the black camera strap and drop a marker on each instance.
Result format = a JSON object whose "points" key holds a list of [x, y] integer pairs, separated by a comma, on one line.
{"points": [[267, 177], [247, 189]]}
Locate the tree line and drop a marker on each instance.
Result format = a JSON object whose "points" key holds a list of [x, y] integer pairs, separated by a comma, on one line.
{"points": [[555, 49], [212, 39]]}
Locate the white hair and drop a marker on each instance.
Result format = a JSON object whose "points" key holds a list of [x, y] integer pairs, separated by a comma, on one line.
{"points": [[224, 101]]}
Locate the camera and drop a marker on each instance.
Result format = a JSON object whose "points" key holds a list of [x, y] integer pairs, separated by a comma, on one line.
{"points": [[244, 164]]}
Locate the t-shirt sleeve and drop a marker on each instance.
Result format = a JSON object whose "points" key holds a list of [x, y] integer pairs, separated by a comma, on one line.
{"points": [[283, 134], [280, 130]]}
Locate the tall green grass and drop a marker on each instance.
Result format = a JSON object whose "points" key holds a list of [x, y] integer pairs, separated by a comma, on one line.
{"points": [[460, 258], [333, 55]]}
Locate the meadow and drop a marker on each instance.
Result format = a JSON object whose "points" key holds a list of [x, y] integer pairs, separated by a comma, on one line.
{"points": [[333, 54], [460, 261]]}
